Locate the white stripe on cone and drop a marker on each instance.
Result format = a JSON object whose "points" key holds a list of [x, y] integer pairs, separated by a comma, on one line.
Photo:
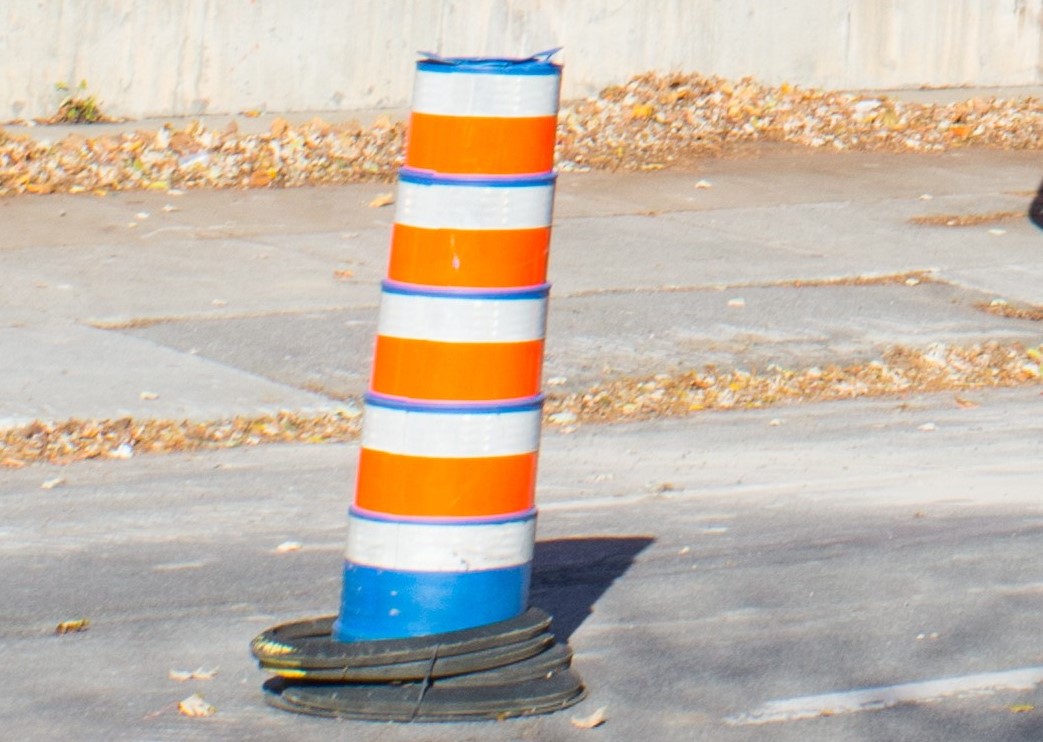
{"points": [[421, 547], [450, 434], [443, 206], [461, 319], [485, 95]]}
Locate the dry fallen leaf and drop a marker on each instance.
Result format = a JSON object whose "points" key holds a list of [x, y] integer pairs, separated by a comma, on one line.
{"points": [[195, 705], [649, 121], [260, 179], [288, 546], [967, 404], [50, 484], [279, 126], [382, 199], [72, 627], [343, 274], [1021, 708], [595, 719], [10, 463], [148, 396]]}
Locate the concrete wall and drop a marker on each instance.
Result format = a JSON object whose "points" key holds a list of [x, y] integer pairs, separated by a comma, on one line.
{"points": [[167, 57]]}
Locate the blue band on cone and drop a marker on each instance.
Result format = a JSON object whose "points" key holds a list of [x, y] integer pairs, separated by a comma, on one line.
{"points": [[537, 64], [386, 604]]}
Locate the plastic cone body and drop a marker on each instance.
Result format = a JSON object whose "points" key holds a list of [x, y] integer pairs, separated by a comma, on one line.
{"points": [[442, 525]]}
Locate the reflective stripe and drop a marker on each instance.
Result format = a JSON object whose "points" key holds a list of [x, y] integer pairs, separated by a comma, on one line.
{"points": [[461, 320], [474, 207], [420, 547], [452, 435], [423, 369], [384, 604], [462, 257], [484, 94], [431, 487]]}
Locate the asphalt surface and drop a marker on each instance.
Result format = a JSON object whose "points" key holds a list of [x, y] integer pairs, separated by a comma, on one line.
{"points": [[742, 575]]}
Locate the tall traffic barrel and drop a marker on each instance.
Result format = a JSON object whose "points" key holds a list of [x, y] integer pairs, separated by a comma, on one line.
{"points": [[442, 525]]}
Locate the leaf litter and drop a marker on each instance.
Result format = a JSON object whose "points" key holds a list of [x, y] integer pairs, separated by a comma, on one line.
{"points": [[966, 220], [650, 122], [899, 371]]}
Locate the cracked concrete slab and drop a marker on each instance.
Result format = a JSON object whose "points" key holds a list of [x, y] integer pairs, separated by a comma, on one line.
{"points": [[282, 286]]}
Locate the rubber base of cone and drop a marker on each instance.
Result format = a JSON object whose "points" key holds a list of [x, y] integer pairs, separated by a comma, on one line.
{"points": [[505, 669], [306, 650], [438, 667], [426, 702]]}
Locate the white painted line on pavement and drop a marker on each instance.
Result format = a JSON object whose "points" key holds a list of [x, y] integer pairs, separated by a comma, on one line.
{"points": [[872, 699]]}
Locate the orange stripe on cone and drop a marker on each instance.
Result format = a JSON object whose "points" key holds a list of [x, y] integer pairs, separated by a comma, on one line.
{"points": [[421, 486], [472, 258], [425, 369], [488, 146]]}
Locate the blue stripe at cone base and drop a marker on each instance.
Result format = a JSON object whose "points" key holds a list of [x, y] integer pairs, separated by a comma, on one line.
{"points": [[387, 604]]}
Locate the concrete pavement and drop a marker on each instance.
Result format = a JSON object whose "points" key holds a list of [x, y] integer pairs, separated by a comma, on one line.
{"points": [[704, 568], [233, 302]]}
